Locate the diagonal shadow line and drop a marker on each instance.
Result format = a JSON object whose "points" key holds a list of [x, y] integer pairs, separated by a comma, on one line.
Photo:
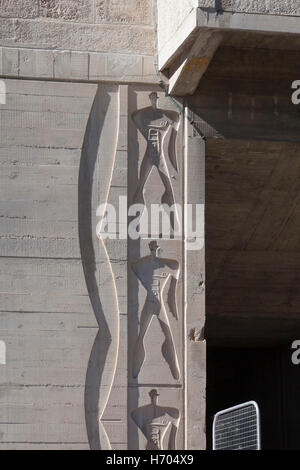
{"points": [[87, 241]]}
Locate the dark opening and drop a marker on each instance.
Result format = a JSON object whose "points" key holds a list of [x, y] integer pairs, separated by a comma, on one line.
{"points": [[266, 376]]}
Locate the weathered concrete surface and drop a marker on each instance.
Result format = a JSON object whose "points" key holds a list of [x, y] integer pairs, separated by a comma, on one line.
{"points": [[79, 40], [252, 227], [46, 317], [195, 309], [185, 79], [252, 204], [81, 37], [80, 66], [171, 15], [72, 305], [282, 7], [129, 12], [19, 8], [65, 10], [83, 25], [178, 43], [69, 332], [248, 22]]}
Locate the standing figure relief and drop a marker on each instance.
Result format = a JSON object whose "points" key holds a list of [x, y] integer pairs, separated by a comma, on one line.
{"points": [[154, 124], [154, 422], [154, 273]]}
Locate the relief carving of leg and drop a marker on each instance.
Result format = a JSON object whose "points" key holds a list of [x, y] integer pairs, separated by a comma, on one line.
{"points": [[168, 350], [139, 353], [144, 175]]}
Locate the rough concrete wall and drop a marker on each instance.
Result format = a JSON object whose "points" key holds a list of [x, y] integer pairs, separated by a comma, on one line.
{"points": [[46, 317], [282, 7], [69, 65], [72, 306], [83, 25], [49, 158], [171, 15]]}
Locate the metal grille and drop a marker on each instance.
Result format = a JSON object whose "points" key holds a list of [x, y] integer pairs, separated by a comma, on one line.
{"points": [[237, 428]]}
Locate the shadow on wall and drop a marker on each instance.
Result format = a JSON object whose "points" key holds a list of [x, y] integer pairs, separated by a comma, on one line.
{"points": [[94, 377]]}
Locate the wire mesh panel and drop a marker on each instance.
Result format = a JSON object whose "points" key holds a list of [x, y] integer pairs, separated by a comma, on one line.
{"points": [[237, 428]]}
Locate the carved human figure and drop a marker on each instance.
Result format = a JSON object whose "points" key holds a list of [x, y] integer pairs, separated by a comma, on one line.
{"points": [[154, 124], [154, 421], [154, 273]]}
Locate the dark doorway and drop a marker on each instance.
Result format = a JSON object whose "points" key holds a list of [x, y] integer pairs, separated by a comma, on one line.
{"points": [[266, 376]]}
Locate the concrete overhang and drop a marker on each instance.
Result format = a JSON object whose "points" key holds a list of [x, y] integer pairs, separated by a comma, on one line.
{"points": [[185, 56]]}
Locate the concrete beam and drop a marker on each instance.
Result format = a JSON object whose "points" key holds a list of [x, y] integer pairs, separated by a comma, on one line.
{"points": [[185, 79], [210, 18], [187, 54]]}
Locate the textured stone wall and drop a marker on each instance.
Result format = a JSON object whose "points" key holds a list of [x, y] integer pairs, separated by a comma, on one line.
{"points": [[84, 25], [171, 15]]}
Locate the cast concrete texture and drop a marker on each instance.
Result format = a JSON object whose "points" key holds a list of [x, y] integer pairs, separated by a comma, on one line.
{"points": [[82, 25], [252, 209], [79, 66], [46, 317], [283, 7], [173, 14], [187, 45], [71, 306], [80, 40]]}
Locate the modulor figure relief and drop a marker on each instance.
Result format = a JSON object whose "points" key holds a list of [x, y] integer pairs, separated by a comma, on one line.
{"points": [[154, 272], [154, 421], [154, 124]]}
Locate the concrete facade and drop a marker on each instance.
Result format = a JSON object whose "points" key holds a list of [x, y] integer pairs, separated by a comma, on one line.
{"points": [[86, 359], [76, 74]]}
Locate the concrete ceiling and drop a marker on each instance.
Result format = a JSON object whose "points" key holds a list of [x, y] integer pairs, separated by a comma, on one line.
{"points": [[251, 40], [252, 242]]}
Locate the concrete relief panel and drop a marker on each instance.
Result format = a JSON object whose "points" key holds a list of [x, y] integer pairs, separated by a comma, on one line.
{"points": [[155, 153], [155, 124], [154, 421], [133, 159], [155, 266], [153, 273]]}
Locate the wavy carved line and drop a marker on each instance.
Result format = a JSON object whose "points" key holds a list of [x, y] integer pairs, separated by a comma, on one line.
{"points": [[98, 147]]}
